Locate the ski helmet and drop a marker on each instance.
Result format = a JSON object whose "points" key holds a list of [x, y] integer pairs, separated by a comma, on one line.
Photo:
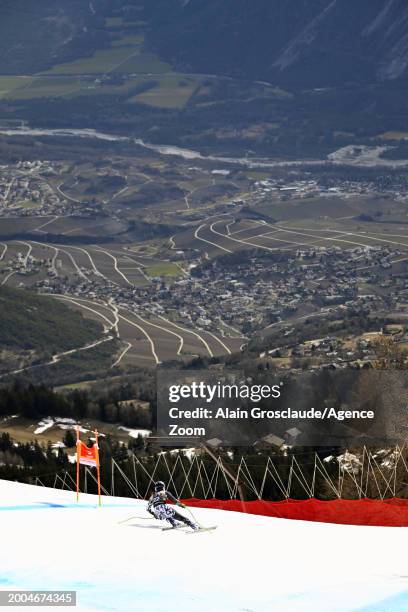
{"points": [[159, 486]]}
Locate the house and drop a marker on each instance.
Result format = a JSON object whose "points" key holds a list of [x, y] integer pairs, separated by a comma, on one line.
{"points": [[271, 441], [291, 435]]}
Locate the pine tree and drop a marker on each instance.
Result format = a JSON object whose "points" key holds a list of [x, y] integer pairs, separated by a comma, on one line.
{"points": [[69, 438]]}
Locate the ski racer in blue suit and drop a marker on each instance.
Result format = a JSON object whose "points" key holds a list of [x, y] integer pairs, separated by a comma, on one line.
{"points": [[160, 510]]}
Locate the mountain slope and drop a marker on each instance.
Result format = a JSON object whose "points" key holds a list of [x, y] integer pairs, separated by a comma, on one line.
{"points": [[35, 322], [308, 43], [34, 35], [33, 327]]}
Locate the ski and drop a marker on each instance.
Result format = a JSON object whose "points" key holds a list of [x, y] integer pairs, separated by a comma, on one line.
{"points": [[188, 529], [212, 528], [173, 528]]}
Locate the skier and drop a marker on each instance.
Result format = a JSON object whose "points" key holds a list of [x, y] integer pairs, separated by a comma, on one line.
{"points": [[160, 510]]}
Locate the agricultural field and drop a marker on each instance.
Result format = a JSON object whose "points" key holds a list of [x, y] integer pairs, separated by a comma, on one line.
{"points": [[163, 269], [37, 87], [119, 69], [394, 135], [170, 91], [58, 225], [9, 84], [113, 22], [225, 235], [167, 90], [126, 58]]}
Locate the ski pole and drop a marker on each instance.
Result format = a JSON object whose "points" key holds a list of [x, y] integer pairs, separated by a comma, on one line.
{"points": [[192, 516], [142, 518]]}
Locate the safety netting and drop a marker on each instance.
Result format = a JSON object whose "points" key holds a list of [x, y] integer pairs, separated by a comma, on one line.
{"points": [[391, 512], [363, 490]]}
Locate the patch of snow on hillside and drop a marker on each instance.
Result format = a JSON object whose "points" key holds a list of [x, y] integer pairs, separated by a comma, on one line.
{"points": [[134, 433], [43, 426], [60, 422]]}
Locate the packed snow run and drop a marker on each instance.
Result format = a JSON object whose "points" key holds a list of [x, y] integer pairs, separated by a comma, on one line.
{"points": [[249, 563]]}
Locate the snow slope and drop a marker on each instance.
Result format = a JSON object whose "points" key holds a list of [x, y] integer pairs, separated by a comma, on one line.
{"points": [[249, 564]]}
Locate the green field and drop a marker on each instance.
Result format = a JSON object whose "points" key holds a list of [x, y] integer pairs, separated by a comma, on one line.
{"points": [[56, 86], [163, 269], [113, 22], [29, 204], [172, 91], [44, 88], [130, 40], [394, 135], [142, 63], [257, 175], [124, 56], [100, 62], [10, 84]]}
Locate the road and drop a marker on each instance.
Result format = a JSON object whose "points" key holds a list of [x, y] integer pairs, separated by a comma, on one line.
{"points": [[167, 331], [144, 332], [29, 250], [115, 265], [7, 192], [40, 227], [58, 356], [80, 303], [196, 235], [62, 250], [9, 275], [340, 236], [122, 355], [189, 331]]}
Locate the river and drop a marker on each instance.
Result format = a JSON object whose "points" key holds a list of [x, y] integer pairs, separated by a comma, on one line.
{"points": [[352, 155]]}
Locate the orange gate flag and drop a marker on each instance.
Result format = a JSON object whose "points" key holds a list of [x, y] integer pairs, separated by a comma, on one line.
{"points": [[88, 457]]}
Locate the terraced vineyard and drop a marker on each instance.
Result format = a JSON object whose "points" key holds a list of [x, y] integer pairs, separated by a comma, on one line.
{"points": [[99, 281]]}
